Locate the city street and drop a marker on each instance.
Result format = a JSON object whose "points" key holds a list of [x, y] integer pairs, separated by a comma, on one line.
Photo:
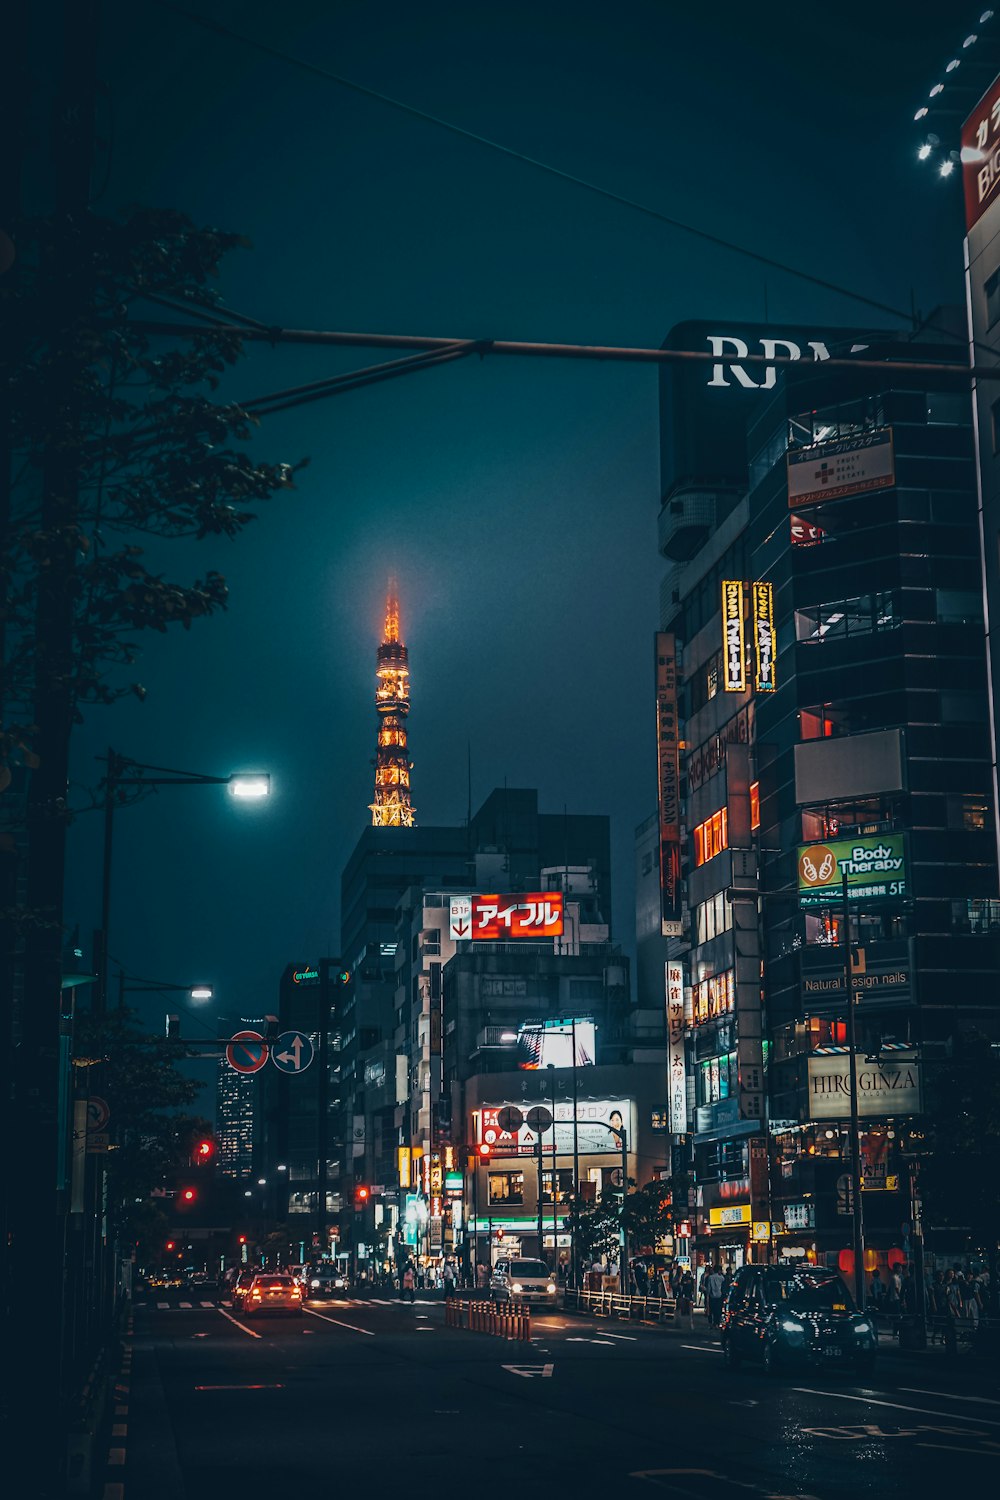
{"points": [[212, 1404]]}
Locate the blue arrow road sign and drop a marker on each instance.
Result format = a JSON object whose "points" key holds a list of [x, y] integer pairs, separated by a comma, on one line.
{"points": [[292, 1052]]}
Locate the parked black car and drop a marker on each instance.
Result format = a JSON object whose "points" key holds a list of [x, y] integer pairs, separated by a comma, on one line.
{"points": [[785, 1316]]}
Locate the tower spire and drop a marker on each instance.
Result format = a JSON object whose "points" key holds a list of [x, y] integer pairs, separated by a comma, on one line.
{"points": [[392, 807]]}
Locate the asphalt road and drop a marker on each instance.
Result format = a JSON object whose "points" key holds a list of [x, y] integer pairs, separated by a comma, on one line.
{"points": [[355, 1394]]}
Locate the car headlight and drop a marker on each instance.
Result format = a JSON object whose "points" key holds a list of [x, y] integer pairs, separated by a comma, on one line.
{"points": [[517, 1287], [339, 1281], [551, 1287], [791, 1325], [315, 1281], [864, 1326]]}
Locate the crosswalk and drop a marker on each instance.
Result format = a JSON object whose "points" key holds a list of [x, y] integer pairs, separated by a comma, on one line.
{"points": [[340, 1302]]}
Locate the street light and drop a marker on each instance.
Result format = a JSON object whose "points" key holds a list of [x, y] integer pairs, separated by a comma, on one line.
{"points": [[123, 773]]}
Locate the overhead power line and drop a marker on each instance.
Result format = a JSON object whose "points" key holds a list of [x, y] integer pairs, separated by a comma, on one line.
{"points": [[231, 34]]}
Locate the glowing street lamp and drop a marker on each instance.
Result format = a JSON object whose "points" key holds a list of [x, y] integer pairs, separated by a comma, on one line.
{"points": [[249, 787]]}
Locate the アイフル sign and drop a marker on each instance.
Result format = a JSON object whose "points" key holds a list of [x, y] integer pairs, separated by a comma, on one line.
{"points": [[532, 915]]}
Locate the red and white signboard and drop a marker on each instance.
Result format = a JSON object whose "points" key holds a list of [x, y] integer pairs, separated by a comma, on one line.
{"points": [[531, 915], [247, 1052], [832, 471], [460, 918], [981, 155]]}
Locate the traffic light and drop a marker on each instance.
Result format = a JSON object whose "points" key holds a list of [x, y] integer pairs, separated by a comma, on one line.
{"points": [[360, 1197], [187, 1195], [203, 1152], [243, 1239], [170, 1245]]}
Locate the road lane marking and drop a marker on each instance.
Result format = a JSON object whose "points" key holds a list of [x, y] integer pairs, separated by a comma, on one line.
{"points": [[327, 1319], [223, 1314], [917, 1390], [162, 1305], [630, 1338], [206, 1304], [700, 1349], [528, 1372], [953, 1416], [184, 1304]]}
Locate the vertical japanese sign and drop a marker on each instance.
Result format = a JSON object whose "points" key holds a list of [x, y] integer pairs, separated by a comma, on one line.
{"points": [[668, 776], [734, 675], [676, 1077], [763, 636]]}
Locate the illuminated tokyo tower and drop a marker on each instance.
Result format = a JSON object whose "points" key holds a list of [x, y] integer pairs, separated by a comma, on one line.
{"points": [[392, 807]]}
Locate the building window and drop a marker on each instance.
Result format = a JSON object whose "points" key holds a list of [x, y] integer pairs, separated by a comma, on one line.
{"points": [[844, 618], [991, 286], [506, 1187], [564, 1185], [711, 837], [968, 812], [712, 917], [824, 721], [959, 607], [714, 997], [976, 915]]}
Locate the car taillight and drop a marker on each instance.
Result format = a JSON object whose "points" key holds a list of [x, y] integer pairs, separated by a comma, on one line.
{"points": [[255, 1296]]}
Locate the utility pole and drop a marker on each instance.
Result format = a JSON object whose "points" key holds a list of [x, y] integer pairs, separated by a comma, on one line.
{"points": [[857, 1219], [323, 1101]]}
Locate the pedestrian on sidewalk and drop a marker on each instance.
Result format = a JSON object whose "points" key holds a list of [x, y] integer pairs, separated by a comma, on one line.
{"points": [[481, 1277], [409, 1283], [713, 1296], [685, 1300]]}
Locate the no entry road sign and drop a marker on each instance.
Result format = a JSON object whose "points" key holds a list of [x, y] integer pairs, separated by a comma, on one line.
{"points": [[247, 1052]]}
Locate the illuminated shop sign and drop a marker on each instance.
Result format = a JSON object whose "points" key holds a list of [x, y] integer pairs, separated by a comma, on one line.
{"points": [[676, 1077], [736, 1213], [533, 915], [544, 1044], [832, 471], [668, 780], [593, 1138], [875, 869], [883, 1090], [305, 976], [733, 641], [763, 637]]}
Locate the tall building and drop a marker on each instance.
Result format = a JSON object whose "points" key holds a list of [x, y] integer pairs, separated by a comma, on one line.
{"points": [[392, 807], [835, 786], [235, 1096]]}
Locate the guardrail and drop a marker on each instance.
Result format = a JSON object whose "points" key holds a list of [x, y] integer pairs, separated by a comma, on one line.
{"points": [[482, 1317], [622, 1305]]}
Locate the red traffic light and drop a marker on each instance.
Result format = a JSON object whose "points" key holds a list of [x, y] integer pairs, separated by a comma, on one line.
{"points": [[170, 1245], [204, 1151], [360, 1194], [243, 1239], [188, 1195]]}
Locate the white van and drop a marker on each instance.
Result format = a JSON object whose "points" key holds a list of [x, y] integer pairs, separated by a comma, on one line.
{"points": [[523, 1281]]}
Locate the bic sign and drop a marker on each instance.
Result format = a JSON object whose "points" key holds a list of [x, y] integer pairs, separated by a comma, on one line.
{"points": [[729, 345]]}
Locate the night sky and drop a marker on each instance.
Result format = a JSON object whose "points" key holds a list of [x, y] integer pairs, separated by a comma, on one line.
{"points": [[515, 501]]}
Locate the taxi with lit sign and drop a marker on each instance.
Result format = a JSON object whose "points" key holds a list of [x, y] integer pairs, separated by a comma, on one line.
{"points": [[783, 1316], [272, 1293]]}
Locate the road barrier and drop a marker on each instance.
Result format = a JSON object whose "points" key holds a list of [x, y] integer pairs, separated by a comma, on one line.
{"points": [[510, 1322], [620, 1305]]}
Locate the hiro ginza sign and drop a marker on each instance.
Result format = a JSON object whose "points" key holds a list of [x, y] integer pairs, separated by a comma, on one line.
{"points": [[874, 867], [889, 1088]]}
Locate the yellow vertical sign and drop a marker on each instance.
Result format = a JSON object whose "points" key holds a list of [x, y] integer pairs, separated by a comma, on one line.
{"points": [[403, 1154], [763, 636], [734, 675]]}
